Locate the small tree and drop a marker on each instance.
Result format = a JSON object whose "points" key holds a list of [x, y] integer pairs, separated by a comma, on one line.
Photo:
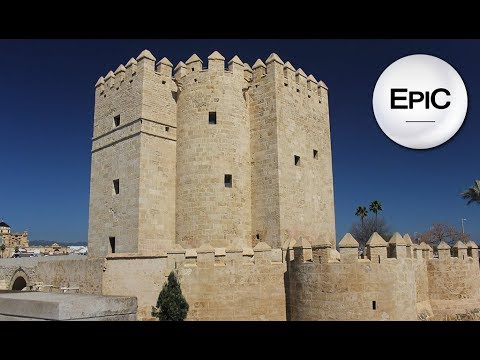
{"points": [[171, 304], [443, 232], [2, 248]]}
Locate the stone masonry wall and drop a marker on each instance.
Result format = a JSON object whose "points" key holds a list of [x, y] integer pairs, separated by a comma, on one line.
{"points": [[409, 284], [57, 271], [264, 156], [306, 189], [423, 306], [157, 158], [453, 278], [67, 272], [350, 289], [140, 152], [289, 116], [218, 285], [13, 267], [115, 153], [301, 282], [454, 283], [111, 214], [208, 211]]}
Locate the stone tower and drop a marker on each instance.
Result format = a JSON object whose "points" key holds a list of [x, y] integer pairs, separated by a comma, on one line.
{"points": [[227, 156], [132, 187], [292, 181], [213, 154]]}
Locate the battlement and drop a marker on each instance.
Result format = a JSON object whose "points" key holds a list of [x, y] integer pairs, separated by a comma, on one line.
{"points": [[216, 63], [208, 256], [393, 281], [126, 74], [378, 250], [294, 80]]}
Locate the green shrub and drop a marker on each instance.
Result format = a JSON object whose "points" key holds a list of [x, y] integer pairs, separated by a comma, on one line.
{"points": [[171, 304]]}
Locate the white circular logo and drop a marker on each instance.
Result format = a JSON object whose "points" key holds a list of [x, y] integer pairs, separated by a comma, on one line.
{"points": [[420, 101]]}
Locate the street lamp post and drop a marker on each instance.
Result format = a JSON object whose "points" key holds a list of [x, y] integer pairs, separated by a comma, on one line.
{"points": [[463, 229]]}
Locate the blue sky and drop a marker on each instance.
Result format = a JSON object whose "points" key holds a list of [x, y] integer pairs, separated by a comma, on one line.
{"points": [[46, 120]]}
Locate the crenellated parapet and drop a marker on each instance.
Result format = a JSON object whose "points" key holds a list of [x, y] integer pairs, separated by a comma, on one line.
{"points": [[207, 256], [397, 246], [125, 74], [377, 249], [459, 250], [348, 248], [138, 90], [294, 82], [387, 284], [408, 245], [443, 250], [472, 250], [192, 70], [347, 286]]}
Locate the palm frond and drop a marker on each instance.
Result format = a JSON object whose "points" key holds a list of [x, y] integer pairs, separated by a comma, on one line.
{"points": [[472, 193]]}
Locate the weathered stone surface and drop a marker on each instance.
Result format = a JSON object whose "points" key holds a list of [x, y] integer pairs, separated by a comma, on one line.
{"points": [[443, 246], [348, 241], [397, 239], [49, 306], [146, 54], [376, 241]]}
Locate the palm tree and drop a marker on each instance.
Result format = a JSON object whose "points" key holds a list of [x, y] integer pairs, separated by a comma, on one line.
{"points": [[375, 207], [2, 248], [472, 193], [361, 212]]}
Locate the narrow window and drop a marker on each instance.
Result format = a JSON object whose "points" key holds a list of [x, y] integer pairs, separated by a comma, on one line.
{"points": [[112, 244], [116, 186], [193, 69], [297, 160], [116, 121], [258, 237], [163, 82], [228, 180], [374, 305], [212, 117], [315, 154], [167, 128]]}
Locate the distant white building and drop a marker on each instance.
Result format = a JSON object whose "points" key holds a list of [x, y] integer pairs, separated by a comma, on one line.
{"points": [[79, 250]]}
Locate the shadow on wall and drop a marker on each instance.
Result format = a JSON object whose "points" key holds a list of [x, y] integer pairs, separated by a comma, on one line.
{"points": [[19, 283]]}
